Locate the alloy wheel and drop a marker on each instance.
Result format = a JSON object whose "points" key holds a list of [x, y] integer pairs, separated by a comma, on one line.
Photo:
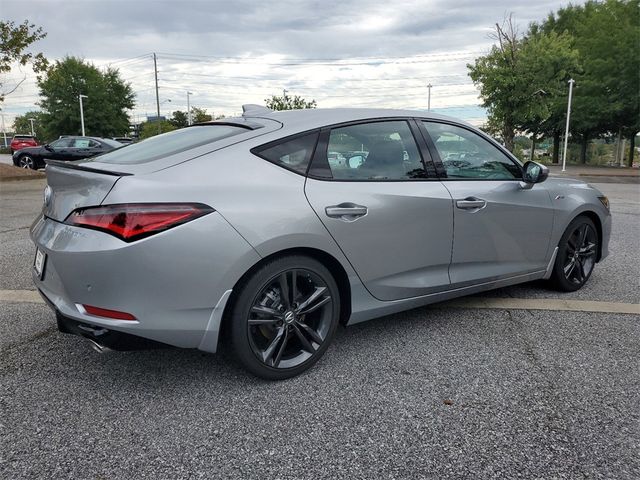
{"points": [[290, 318], [581, 249], [27, 162]]}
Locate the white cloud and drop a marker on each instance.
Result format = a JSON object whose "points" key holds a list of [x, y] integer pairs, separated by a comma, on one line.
{"points": [[342, 53]]}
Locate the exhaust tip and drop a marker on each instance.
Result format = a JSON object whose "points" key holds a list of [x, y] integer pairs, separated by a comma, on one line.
{"points": [[98, 347]]}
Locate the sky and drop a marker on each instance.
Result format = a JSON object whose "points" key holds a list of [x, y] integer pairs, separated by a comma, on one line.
{"points": [[358, 53]]}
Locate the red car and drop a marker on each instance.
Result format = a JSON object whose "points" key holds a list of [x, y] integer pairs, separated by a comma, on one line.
{"points": [[22, 141]]}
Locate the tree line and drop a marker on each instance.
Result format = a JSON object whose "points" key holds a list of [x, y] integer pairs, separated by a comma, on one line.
{"points": [[523, 80]]}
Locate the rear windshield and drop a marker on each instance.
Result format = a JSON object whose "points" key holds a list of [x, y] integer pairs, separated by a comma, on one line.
{"points": [[23, 137], [112, 143], [169, 143]]}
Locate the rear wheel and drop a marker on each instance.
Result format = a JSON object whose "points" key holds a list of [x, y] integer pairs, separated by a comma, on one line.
{"points": [[284, 317], [577, 253], [27, 161]]}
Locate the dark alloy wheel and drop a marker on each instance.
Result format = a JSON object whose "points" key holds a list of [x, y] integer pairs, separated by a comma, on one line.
{"points": [[284, 317], [577, 254], [27, 161]]}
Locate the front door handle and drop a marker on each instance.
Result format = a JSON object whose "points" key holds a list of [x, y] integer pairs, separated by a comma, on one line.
{"points": [[471, 203], [346, 211]]}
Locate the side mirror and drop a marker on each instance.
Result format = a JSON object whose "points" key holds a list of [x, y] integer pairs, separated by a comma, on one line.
{"points": [[533, 172], [48, 147]]}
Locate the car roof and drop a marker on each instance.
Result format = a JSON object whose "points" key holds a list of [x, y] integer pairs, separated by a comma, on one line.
{"points": [[307, 119]]}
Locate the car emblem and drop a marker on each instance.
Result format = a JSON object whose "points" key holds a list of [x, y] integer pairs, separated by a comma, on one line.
{"points": [[47, 195]]}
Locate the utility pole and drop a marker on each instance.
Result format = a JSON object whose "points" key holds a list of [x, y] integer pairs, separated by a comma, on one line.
{"points": [[33, 132], [429, 97], [189, 122], [80, 97], [566, 133], [155, 71]]}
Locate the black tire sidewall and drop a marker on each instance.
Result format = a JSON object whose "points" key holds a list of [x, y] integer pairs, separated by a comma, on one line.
{"points": [[558, 277], [239, 327]]}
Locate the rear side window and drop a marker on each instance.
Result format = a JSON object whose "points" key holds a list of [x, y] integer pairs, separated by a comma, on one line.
{"points": [[293, 153], [169, 143]]}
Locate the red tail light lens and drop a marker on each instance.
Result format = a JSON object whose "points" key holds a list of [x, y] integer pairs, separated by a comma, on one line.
{"points": [[133, 221]]}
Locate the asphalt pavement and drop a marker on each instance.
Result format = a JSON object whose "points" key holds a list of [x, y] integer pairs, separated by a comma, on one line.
{"points": [[436, 392]]}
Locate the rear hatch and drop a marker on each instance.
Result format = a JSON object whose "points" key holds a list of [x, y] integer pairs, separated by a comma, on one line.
{"points": [[164, 151], [70, 186], [78, 184]]}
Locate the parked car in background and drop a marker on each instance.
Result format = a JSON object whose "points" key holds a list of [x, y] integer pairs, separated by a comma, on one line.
{"points": [[19, 142], [123, 140], [246, 227], [64, 148]]}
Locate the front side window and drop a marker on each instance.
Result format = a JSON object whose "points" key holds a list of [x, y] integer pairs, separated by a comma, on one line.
{"points": [[293, 154], [466, 155], [374, 151]]}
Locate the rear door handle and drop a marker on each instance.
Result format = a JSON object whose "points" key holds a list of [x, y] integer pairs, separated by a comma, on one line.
{"points": [[346, 211], [471, 203]]}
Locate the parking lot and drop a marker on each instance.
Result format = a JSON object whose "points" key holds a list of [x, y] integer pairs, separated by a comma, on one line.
{"points": [[437, 392]]}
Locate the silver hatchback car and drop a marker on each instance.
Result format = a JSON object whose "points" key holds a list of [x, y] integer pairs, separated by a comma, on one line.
{"points": [[245, 229]]}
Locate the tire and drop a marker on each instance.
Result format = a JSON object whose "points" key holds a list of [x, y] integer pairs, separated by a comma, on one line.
{"points": [[28, 162], [276, 336], [577, 253]]}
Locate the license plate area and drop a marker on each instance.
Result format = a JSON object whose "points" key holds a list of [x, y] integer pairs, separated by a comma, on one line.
{"points": [[39, 263]]}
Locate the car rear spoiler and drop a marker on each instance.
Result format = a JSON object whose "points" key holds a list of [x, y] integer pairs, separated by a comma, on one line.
{"points": [[77, 166]]}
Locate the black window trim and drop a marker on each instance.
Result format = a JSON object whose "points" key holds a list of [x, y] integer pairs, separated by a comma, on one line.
{"points": [[440, 168], [265, 146], [323, 144]]}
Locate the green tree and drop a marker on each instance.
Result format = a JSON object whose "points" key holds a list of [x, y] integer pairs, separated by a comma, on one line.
{"points": [[607, 91], [521, 80], [22, 124], [151, 129], [105, 109], [546, 62], [200, 115], [15, 41], [288, 102], [179, 119]]}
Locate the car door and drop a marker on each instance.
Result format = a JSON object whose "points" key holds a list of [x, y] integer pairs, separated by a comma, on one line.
{"points": [[501, 229], [58, 149], [380, 201], [82, 147]]}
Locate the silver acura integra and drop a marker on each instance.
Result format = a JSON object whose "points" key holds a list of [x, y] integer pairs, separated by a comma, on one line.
{"points": [[271, 229]]}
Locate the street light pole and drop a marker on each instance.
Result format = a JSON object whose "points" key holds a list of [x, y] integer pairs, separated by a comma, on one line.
{"points": [[33, 132], [80, 97], [566, 133], [429, 97], [189, 108], [4, 132]]}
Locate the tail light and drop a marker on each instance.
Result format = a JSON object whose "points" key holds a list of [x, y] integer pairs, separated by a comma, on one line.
{"points": [[133, 221]]}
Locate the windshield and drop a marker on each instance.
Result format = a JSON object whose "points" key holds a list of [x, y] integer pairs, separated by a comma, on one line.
{"points": [[169, 143]]}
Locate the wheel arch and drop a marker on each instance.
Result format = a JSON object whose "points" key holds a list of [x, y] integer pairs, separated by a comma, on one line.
{"points": [[328, 260], [595, 218]]}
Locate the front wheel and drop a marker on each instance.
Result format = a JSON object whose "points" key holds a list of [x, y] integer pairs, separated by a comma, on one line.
{"points": [[577, 253], [284, 317]]}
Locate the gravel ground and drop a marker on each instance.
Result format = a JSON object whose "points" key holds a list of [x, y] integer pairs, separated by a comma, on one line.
{"points": [[430, 393]]}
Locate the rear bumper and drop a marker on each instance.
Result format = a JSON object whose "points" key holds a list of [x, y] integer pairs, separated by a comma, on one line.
{"points": [[170, 282]]}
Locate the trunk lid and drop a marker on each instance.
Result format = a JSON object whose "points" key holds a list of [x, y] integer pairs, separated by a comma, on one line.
{"points": [[71, 186]]}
